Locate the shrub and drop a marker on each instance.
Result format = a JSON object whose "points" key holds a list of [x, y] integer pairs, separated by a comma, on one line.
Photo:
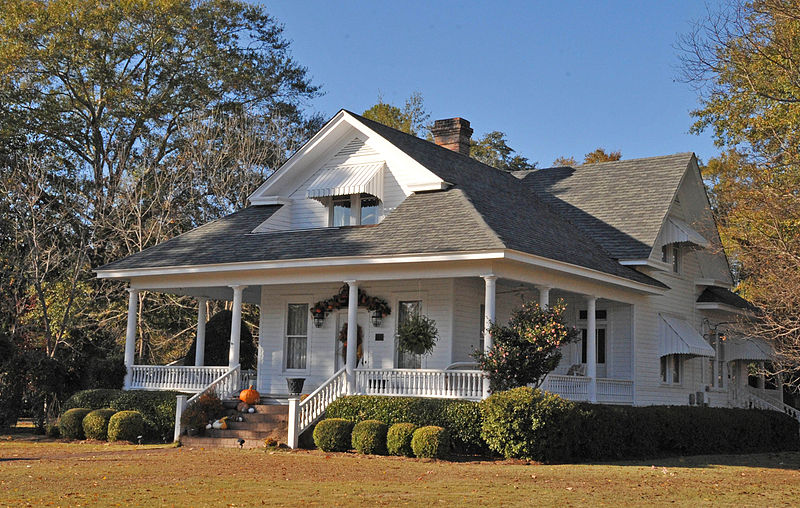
{"points": [[71, 423], [369, 437], [157, 407], [528, 348], [461, 418], [218, 340], [126, 426], [95, 424], [333, 435], [398, 439], [529, 424], [430, 442], [51, 430]]}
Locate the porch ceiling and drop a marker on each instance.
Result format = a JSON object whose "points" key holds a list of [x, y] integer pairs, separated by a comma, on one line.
{"points": [[251, 294]]}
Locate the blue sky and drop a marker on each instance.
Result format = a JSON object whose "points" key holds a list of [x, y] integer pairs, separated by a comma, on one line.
{"points": [[559, 78]]}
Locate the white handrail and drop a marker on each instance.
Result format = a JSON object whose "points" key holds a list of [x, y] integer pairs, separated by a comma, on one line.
{"points": [[304, 413], [450, 384], [223, 386], [181, 378], [756, 401]]}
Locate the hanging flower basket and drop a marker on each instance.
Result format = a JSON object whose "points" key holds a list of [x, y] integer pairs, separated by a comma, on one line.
{"points": [[417, 335]]}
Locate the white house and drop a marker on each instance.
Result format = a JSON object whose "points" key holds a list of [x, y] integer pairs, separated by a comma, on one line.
{"points": [[630, 246]]}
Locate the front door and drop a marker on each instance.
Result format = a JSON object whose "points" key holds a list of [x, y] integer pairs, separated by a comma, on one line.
{"points": [[364, 326]]}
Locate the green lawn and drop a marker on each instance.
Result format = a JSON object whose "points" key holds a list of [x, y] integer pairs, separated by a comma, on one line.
{"points": [[75, 474]]}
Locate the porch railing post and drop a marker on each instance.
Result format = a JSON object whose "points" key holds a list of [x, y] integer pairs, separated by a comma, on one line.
{"points": [[293, 438], [179, 407], [130, 334]]}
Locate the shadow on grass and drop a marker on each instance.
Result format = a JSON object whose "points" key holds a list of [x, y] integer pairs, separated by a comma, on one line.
{"points": [[772, 460]]}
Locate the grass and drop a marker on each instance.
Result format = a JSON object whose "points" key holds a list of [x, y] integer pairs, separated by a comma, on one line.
{"points": [[44, 472]]}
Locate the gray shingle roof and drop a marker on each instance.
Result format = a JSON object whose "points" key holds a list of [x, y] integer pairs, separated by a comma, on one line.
{"points": [[485, 208], [713, 294], [620, 204]]}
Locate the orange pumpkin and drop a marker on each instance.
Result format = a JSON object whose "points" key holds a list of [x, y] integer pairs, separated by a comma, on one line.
{"points": [[250, 396]]}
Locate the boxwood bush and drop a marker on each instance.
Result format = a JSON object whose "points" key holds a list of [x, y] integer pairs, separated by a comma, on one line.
{"points": [[461, 418], [369, 437], [430, 442], [156, 407], [529, 424], [398, 439], [333, 435], [70, 425], [95, 424], [126, 426]]}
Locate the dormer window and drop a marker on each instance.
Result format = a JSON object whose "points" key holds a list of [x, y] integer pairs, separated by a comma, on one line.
{"points": [[354, 210]]}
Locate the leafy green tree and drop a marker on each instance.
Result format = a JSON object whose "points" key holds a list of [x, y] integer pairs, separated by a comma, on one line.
{"points": [[600, 155], [744, 60], [493, 150], [411, 118]]}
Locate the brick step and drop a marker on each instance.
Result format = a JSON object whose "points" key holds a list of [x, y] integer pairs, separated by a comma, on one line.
{"points": [[271, 409], [220, 442], [260, 426], [278, 433], [263, 418]]}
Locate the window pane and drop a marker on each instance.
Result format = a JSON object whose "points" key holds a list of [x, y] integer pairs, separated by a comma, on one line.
{"points": [[370, 208], [483, 327], [663, 369], [408, 309], [601, 345], [296, 352], [675, 258], [676, 369], [341, 212], [298, 319], [584, 334], [664, 253]]}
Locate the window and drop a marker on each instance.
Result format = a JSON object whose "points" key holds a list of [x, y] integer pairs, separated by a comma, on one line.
{"points": [[599, 315], [671, 369], [676, 258], [354, 210], [481, 343], [717, 364], [340, 211], [407, 309], [601, 345], [664, 254], [297, 336]]}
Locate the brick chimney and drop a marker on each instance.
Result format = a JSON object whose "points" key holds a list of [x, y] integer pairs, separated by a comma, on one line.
{"points": [[453, 134]]}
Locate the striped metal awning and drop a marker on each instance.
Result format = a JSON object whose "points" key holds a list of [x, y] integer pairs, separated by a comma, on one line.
{"points": [[747, 348], [348, 179], [677, 231], [677, 337]]}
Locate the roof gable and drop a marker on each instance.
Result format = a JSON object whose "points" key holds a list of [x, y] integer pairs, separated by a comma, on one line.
{"points": [[622, 204]]}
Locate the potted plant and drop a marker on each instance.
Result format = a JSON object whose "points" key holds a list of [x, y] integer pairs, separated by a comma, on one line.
{"points": [[295, 384], [417, 334]]}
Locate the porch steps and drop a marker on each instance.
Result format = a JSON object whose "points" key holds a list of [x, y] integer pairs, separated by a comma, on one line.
{"points": [[269, 421]]}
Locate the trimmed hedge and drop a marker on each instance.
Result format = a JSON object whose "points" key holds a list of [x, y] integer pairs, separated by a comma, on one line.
{"points": [[333, 435], [398, 439], [95, 424], [369, 437], [529, 424], [461, 418], [430, 442], [70, 425], [126, 426], [156, 407]]}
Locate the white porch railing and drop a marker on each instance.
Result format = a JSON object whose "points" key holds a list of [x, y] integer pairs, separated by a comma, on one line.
{"points": [[173, 377], [451, 384], [614, 391], [753, 400], [304, 413], [224, 386], [609, 391], [570, 387]]}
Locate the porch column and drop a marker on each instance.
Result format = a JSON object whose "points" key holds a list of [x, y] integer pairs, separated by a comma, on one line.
{"points": [[544, 296], [490, 292], [591, 347], [130, 334], [200, 344], [236, 325], [351, 355]]}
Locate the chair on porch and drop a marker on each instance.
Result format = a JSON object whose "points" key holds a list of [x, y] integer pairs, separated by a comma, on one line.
{"points": [[577, 369]]}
